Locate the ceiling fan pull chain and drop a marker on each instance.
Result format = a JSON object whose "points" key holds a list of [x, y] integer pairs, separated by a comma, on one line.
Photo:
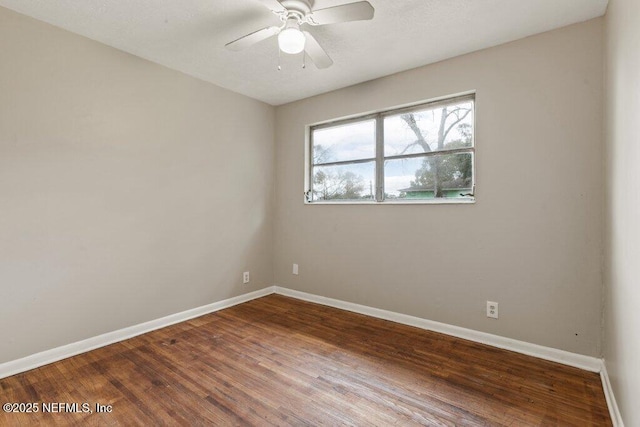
{"points": [[304, 59], [279, 57]]}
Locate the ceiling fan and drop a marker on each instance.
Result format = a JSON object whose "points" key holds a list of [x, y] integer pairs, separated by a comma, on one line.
{"points": [[293, 14]]}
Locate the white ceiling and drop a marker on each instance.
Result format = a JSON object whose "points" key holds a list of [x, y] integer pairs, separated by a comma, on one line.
{"points": [[189, 36]]}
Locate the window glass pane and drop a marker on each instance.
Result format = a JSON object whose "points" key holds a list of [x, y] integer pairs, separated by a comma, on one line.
{"points": [[444, 127], [440, 176], [352, 141], [344, 182]]}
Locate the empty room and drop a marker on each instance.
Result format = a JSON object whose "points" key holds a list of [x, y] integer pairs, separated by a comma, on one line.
{"points": [[320, 212]]}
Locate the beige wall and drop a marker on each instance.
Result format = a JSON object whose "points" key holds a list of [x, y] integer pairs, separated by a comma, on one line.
{"points": [[532, 241], [622, 195], [127, 191]]}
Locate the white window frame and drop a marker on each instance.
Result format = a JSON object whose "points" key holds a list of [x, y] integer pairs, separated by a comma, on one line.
{"points": [[380, 158]]}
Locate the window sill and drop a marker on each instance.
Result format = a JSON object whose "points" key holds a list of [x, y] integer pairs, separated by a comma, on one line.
{"points": [[397, 202]]}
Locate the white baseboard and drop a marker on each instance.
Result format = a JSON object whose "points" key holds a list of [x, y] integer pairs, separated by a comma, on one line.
{"points": [[587, 363], [560, 356], [49, 356], [580, 361], [616, 417]]}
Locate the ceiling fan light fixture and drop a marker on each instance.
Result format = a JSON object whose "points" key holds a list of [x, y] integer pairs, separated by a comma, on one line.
{"points": [[291, 40]]}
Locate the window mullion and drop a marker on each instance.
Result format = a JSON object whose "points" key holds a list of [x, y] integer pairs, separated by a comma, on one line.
{"points": [[345, 162], [431, 153], [379, 158]]}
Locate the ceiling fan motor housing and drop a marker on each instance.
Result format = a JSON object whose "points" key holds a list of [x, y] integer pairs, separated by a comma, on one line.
{"points": [[297, 9]]}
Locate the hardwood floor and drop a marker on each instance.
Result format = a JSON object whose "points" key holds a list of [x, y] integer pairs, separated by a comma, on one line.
{"points": [[281, 361]]}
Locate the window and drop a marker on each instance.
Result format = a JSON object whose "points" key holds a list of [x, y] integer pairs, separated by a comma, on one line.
{"points": [[422, 153]]}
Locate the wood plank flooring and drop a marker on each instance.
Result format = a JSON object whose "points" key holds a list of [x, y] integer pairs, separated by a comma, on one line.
{"points": [[281, 361]]}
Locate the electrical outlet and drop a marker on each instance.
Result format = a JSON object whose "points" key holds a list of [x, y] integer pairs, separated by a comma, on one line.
{"points": [[295, 269], [245, 277], [492, 309]]}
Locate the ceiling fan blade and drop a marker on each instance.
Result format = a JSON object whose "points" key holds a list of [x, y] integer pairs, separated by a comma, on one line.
{"points": [[316, 52], [273, 5], [253, 38], [358, 11]]}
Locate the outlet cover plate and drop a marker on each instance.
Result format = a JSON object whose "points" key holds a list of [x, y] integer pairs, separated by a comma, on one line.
{"points": [[492, 309]]}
